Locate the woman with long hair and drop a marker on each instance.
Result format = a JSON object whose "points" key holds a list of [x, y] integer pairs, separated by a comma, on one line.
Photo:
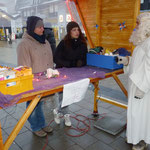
{"points": [[70, 52]]}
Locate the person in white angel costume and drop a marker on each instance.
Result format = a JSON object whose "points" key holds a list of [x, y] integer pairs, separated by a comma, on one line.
{"points": [[138, 66]]}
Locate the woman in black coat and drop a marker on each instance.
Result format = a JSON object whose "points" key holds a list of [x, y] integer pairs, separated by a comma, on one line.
{"points": [[70, 52]]}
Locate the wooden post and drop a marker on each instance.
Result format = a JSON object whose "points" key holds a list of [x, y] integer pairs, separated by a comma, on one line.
{"points": [[136, 11], [113, 102], [1, 139], [96, 88], [84, 24], [120, 84], [21, 122]]}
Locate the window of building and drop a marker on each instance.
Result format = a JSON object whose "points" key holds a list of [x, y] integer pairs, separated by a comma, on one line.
{"points": [[56, 8], [28, 13], [142, 1], [24, 13], [51, 9]]}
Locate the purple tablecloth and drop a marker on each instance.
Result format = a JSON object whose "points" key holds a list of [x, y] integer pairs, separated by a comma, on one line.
{"points": [[67, 75]]}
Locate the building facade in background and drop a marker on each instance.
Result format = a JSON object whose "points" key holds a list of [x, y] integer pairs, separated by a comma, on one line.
{"points": [[55, 13]]}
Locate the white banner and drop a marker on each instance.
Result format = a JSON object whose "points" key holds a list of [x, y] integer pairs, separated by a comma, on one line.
{"points": [[74, 92]]}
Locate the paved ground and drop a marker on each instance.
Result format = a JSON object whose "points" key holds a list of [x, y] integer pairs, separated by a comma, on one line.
{"points": [[94, 139]]}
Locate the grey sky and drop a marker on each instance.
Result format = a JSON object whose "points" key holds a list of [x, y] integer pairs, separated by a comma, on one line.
{"points": [[4, 1]]}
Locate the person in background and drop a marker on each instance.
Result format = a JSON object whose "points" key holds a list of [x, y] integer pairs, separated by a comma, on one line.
{"points": [[49, 34], [34, 51], [9, 38], [138, 113], [70, 52]]}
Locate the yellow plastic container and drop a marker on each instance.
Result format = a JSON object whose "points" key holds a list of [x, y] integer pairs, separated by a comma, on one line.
{"points": [[16, 85]]}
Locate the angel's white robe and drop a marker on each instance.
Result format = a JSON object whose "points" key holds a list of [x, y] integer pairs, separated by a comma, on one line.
{"points": [[138, 113]]}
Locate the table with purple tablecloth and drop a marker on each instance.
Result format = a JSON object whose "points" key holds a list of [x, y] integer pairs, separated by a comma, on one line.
{"points": [[67, 75], [44, 87]]}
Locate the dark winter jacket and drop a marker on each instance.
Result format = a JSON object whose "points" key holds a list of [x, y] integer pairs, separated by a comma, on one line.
{"points": [[73, 56], [49, 34]]}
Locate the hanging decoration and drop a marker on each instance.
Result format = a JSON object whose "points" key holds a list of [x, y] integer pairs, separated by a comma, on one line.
{"points": [[96, 26], [122, 26]]}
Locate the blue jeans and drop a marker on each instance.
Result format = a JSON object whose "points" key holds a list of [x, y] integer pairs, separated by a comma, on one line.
{"points": [[63, 110], [36, 119]]}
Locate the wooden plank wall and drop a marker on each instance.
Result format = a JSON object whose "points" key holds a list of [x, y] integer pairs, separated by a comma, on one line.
{"points": [[113, 13], [108, 14], [88, 10]]}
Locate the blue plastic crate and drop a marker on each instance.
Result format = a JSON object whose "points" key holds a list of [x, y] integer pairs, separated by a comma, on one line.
{"points": [[102, 61]]}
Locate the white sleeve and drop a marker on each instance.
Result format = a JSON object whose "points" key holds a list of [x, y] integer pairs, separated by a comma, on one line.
{"points": [[141, 77], [126, 68]]}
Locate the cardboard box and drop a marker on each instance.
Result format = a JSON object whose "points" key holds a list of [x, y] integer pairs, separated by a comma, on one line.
{"points": [[102, 61]]}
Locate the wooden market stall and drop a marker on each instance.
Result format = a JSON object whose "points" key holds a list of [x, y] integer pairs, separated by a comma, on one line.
{"points": [[108, 23]]}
